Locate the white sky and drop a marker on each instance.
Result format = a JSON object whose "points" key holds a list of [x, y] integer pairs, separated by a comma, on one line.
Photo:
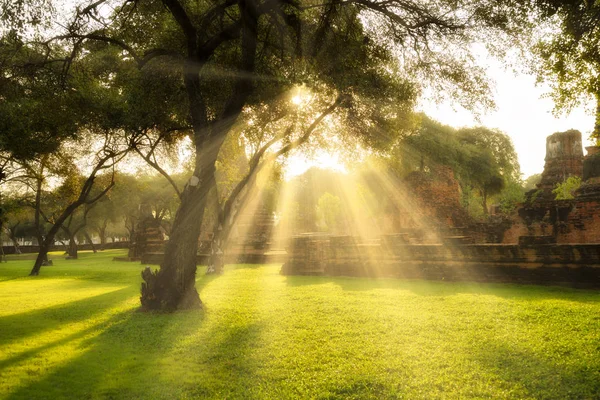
{"points": [[298, 163]]}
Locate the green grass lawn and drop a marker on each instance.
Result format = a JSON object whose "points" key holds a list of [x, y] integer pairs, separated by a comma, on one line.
{"points": [[74, 332]]}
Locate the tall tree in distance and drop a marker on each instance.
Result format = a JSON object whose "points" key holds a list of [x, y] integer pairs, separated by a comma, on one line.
{"points": [[489, 161], [482, 158], [83, 193]]}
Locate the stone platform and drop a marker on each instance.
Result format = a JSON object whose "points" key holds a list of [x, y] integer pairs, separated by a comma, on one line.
{"points": [[570, 264]]}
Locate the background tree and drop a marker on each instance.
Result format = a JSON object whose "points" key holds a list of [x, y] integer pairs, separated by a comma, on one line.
{"points": [[17, 218], [126, 197], [76, 225], [73, 226], [489, 161], [103, 216], [512, 195], [567, 55], [329, 212], [80, 194], [481, 158], [531, 182]]}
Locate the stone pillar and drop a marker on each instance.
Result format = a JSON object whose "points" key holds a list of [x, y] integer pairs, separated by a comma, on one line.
{"points": [[564, 158]]}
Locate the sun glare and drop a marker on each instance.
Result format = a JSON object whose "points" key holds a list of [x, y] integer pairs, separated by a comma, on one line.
{"points": [[297, 164], [300, 96]]}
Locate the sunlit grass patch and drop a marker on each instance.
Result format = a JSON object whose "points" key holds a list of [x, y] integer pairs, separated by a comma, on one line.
{"points": [[263, 335]]}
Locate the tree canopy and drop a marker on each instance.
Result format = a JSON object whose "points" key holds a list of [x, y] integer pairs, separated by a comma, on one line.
{"points": [[567, 55]]}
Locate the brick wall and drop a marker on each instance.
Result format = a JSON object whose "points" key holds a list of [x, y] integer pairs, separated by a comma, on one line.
{"points": [[569, 221], [572, 264], [564, 158], [436, 199]]}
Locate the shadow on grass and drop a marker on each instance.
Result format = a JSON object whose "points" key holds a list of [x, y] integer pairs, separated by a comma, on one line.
{"points": [[434, 288], [524, 371], [146, 355], [135, 354], [20, 326], [125, 360], [59, 342], [228, 362]]}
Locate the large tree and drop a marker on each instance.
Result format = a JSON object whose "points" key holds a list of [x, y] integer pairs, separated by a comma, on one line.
{"points": [[230, 54]]}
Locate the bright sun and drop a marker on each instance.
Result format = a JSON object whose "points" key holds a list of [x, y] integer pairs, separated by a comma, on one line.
{"points": [[300, 163]]}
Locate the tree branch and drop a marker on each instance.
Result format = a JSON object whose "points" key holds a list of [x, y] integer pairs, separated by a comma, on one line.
{"points": [[256, 166], [185, 23], [157, 167], [206, 49]]}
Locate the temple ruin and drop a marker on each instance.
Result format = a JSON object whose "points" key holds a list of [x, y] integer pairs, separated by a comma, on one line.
{"points": [[545, 220], [428, 235], [544, 241], [564, 158]]}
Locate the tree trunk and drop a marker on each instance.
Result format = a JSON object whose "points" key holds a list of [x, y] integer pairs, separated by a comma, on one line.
{"points": [[15, 244], [173, 285], [102, 234], [596, 132], [90, 241], [216, 262], [225, 222], [484, 202], [44, 254], [42, 258], [72, 250]]}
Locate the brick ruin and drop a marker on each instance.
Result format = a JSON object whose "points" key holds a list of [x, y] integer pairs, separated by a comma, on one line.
{"points": [[438, 197], [564, 158], [561, 221], [544, 241], [575, 265], [428, 210]]}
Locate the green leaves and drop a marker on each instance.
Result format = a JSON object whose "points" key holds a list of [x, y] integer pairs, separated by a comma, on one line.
{"points": [[567, 56], [566, 190]]}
